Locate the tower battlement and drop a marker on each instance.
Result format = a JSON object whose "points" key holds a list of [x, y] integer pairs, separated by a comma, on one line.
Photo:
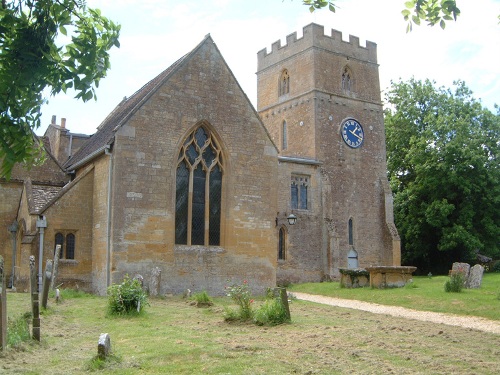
{"points": [[314, 36]]}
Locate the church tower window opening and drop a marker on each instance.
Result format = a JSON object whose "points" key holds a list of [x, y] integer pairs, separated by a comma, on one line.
{"points": [[284, 83], [198, 190], [351, 240], [282, 244]]}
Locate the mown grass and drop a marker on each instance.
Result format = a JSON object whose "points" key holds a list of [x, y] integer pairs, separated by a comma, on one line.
{"points": [[426, 293], [174, 337]]}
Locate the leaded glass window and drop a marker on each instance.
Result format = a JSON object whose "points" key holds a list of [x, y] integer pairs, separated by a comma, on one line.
{"points": [[59, 240], [299, 192], [198, 190], [70, 246], [281, 244]]}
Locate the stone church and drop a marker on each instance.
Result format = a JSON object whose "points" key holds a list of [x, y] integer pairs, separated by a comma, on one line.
{"points": [[187, 176]]}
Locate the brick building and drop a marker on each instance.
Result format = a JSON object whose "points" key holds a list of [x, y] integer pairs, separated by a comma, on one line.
{"points": [[187, 176]]}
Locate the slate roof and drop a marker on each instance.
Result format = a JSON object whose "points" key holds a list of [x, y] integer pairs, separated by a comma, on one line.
{"points": [[106, 131], [38, 195]]}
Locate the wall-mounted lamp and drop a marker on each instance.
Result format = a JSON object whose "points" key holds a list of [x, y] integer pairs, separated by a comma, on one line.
{"points": [[292, 219]]}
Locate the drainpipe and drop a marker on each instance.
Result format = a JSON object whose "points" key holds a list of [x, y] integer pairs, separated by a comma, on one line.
{"points": [[13, 231], [108, 228], [41, 224]]}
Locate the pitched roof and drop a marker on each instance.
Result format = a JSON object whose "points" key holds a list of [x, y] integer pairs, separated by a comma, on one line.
{"points": [[106, 131], [41, 195]]}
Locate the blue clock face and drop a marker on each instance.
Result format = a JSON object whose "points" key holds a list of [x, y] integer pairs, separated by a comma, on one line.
{"points": [[352, 133]]}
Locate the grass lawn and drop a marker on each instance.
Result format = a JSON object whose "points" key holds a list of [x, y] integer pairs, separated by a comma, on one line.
{"points": [[175, 337], [424, 294]]}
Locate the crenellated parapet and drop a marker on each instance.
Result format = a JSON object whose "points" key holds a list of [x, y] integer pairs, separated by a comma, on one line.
{"points": [[314, 36]]}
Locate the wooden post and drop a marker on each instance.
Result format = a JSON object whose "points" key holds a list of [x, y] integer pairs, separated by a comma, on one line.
{"points": [[35, 308], [3, 307], [281, 293], [46, 283]]}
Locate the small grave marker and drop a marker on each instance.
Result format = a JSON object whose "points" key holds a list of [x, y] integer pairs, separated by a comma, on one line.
{"points": [[104, 346]]}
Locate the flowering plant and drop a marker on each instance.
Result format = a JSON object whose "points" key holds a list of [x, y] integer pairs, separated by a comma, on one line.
{"points": [[240, 293]]}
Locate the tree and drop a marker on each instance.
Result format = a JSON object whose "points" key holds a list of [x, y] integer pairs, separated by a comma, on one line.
{"points": [[33, 58], [431, 11], [443, 165]]}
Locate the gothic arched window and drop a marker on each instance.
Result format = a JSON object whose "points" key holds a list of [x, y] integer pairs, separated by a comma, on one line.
{"points": [[351, 239], [70, 246], [198, 190], [284, 83], [282, 244], [59, 240]]}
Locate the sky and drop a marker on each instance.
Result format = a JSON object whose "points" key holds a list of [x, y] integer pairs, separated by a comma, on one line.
{"points": [[155, 33]]}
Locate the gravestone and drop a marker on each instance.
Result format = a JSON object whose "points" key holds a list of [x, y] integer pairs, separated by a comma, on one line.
{"points": [[56, 266], [463, 268], [139, 278], [104, 346], [475, 277], [154, 282], [3, 307], [46, 283]]}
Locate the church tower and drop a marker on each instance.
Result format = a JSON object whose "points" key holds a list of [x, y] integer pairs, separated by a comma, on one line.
{"points": [[319, 97]]}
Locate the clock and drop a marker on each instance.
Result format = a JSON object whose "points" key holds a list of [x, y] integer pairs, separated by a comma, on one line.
{"points": [[352, 133]]}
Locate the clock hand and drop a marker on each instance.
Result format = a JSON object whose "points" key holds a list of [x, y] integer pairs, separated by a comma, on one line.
{"points": [[357, 136]]}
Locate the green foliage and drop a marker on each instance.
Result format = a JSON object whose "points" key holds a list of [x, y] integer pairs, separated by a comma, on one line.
{"points": [[431, 11], [455, 284], [319, 4], [240, 294], [271, 312], [496, 267], [18, 330], [32, 60], [442, 159], [126, 298], [202, 299]]}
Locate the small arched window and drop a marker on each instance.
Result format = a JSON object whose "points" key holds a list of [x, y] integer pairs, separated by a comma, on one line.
{"points": [[284, 83], [59, 240], [198, 190], [282, 244], [351, 239], [284, 142]]}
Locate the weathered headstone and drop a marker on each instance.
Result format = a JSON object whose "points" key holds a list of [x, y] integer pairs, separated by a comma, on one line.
{"points": [[56, 265], [46, 283], [475, 277], [154, 282], [104, 346], [3, 307], [35, 307], [462, 268], [139, 278]]}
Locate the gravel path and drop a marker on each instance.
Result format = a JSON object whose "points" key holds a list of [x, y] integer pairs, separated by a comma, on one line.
{"points": [[481, 324]]}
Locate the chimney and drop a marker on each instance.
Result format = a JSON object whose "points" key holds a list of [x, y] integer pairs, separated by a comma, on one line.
{"points": [[53, 120], [63, 123]]}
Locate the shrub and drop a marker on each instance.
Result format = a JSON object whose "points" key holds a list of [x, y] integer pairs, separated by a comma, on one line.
{"points": [[18, 330], [126, 298], [241, 295], [496, 267], [202, 299], [272, 312], [456, 283]]}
